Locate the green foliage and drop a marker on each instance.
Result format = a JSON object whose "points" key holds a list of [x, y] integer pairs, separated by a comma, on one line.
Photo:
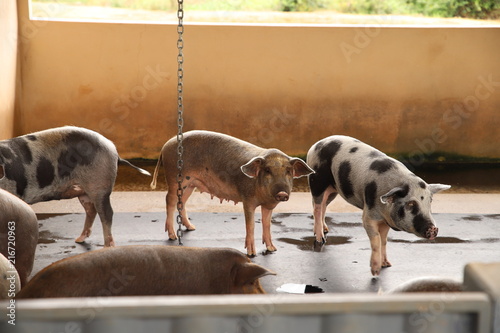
{"points": [[371, 6], [478, 9], [300, 5]]}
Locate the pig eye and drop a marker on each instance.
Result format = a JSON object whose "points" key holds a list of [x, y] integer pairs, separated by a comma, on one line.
{"points": [[413, 207], [411, 204], [267, 170]]}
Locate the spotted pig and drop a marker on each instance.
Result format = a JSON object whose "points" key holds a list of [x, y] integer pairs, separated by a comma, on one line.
{"points": [[64, 163], [388, 193]]}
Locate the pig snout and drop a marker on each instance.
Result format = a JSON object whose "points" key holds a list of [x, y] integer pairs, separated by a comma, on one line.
{"points": [[282, 196], [431, 233]]}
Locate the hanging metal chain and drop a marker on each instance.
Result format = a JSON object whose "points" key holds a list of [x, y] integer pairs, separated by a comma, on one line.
{"points": [[180, 120]]}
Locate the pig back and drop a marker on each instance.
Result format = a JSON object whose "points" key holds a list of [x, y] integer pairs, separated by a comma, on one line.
{"points": [[139, 270], [18, 233], [206, 148]]}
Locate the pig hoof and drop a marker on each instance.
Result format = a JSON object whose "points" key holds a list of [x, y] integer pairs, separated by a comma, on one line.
{"points": [[190, 228], [251, 255], [318, 246], [271, 248], [322, 241], [386, 264], [80, 240]]}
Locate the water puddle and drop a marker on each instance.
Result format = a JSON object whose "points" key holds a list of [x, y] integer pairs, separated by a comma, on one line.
{"points": [[309, 244], [42, 217], [46, 237], [445, 240], [473, 218]]}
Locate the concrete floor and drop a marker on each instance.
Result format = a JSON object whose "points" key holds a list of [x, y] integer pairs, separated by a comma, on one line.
{"points": [[469, 231]]}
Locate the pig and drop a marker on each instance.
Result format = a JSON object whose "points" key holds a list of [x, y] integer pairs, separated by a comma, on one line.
{"points": [[9, 279], [143, 270], [390, 195], [429, 284], [18, 233], [233, 170], [64, 163]]}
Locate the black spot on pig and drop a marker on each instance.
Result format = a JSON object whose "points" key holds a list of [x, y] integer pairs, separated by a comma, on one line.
{"points": [[404, 191], [422, 185], [16, 172], [401, 212], [323, 177], [22, 149], [353, 150], [328, 150], [345, 180], [375, 154], [421, 224], [45, 172], [382, 165], [81, 150], [6, 153], [371, 194]]}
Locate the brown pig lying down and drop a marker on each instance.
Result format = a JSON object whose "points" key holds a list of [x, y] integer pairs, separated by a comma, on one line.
{"points": [[148, 270]]}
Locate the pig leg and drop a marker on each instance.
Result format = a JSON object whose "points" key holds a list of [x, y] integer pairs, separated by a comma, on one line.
{"points": [[266, 228], [171, 202], [384, 230], [373, 229], [103, 206], [250, 229], [90, 214], [319, 204]]}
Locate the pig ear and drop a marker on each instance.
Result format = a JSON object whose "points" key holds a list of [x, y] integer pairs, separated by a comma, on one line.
{"points": [[251, 169], [392, 195], [249, 272], [300, 168], [435, 188]]}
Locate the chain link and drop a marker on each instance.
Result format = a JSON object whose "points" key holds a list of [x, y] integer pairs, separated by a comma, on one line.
{"points": [[180, 120]]}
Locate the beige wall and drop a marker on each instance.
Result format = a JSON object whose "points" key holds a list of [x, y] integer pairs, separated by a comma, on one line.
{"points": [[406, 90], [8, 57]]}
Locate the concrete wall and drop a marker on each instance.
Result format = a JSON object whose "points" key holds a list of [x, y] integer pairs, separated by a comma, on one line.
{"points": [[404, 90], [8, 58]]}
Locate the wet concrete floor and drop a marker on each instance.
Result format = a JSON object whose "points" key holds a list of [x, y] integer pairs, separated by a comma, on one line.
{"points": [[342, 265]]}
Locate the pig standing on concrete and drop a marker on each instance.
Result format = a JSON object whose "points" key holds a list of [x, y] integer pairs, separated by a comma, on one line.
{"points": [[64, 163], [18, 233], [148, 270], [230, 169], [388, 193]]}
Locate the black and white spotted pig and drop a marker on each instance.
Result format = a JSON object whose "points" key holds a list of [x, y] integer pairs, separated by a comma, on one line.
{"points": [[64, 163], [387, 192]]}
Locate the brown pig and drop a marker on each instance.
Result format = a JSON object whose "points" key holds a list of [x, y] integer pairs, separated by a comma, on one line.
{"points": [[18, 233], [9, 279], [143, 270], [233, 170]]}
